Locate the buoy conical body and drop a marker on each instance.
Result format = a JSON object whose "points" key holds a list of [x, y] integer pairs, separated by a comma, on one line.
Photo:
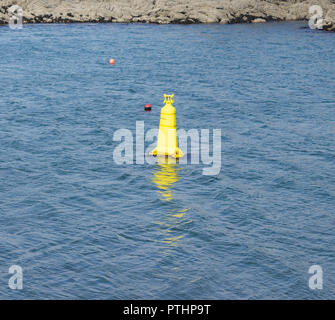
{"points": [[167, 144]]}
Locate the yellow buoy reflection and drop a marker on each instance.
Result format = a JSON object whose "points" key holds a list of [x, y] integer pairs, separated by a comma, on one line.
{"points": [[165, 177]]}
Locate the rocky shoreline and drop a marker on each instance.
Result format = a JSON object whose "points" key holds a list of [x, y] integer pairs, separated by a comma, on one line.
{"points": [[167, 11]]}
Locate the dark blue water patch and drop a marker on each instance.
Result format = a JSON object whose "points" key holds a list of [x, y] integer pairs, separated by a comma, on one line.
{"points": [[83, 227]]}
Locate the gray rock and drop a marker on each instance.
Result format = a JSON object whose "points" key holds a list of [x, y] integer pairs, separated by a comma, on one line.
{"points": [[329, 21], [258, 20], [167, 11]]}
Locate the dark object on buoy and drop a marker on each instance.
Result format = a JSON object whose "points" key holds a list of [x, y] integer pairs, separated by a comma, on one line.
{"points": [[147, 107]]}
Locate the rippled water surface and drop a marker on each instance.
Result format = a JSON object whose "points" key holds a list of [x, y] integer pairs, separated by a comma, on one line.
{"points": [[83, 227]]}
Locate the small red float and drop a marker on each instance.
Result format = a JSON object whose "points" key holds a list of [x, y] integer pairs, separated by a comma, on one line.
{"points": [[147, 107]]}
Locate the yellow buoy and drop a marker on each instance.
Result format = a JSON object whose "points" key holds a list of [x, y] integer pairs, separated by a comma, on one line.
{"points": [[167, 144]]}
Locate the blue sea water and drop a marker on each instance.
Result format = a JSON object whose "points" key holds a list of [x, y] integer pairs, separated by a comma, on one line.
{"points": [[83, 227]]}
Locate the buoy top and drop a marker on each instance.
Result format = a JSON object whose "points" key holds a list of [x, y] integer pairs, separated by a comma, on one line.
{"points": [[168, 99], [168, 107]]}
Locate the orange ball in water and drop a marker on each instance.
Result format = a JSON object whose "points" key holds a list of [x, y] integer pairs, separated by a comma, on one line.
{"points": [[111, 61], [147, 107]]}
